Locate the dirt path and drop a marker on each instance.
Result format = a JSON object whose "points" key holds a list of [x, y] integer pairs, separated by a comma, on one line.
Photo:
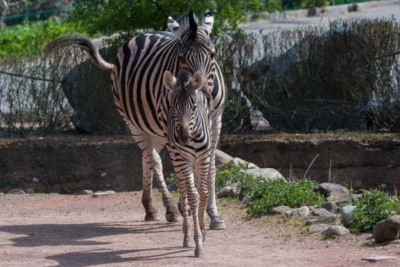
{"points": [[65, 230]]}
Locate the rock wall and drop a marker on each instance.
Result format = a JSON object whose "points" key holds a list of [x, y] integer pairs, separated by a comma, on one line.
{"points": [[73, 163]]}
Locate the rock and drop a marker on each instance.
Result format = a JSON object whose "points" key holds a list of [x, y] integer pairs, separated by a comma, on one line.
{"points": [[280, 210], [172, 187], [318, 228], [378, 258], [87, 89], [30, 191], [330, 206], [241, 162], [103, 193], [87, 192], [234, 190], [302, 212], [224, 192], [222, 158], [336, 230], [321, 212], [243, 192], [387, 230], [332, 219], [347, 214], [333, 192], [266, 173], [16, 192], [355, 196]]}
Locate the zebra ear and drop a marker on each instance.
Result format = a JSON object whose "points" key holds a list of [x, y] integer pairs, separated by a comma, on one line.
{"points": [[169, 81], [192, 25], [208, 21], [197, 80], [174, 27]]}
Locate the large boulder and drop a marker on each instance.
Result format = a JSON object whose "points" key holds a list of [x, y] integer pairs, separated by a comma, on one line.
{"points": [[387, 230], [334, 192], [88, 90]]}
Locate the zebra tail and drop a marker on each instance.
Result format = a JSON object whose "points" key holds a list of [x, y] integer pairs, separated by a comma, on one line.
{"points": [[83, 43]]}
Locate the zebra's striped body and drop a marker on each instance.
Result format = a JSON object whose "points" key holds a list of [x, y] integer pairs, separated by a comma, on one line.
{"points": [[141, 99]]}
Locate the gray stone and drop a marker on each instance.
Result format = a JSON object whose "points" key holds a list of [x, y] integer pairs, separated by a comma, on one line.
{"points": [[318, 228], [321, 212], [302, 212], [330, 206], [347, 214], [241, 162], [332, 219], [336, 230], [16, 192], [333, 192], [87, 192], [387, 230], [280, 210], [224, 192], [103, 193], [266, 173], [222, 158], [30, 191], [378, 258]]}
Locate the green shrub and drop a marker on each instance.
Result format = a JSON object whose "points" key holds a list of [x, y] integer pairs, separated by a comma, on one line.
{"points": [[231, 173], [266, 194], [371, 208], [29, 38]]}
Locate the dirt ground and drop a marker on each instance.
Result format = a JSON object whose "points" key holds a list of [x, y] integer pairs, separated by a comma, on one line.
{"points": [[80, 230]]}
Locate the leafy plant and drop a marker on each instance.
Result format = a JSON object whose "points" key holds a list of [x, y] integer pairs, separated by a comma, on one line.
{"points": [[371, 208], [266, 194], [29, 38], [231, 173]]}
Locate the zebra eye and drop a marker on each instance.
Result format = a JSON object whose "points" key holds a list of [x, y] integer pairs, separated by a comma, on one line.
{"points": [[212, 54]]}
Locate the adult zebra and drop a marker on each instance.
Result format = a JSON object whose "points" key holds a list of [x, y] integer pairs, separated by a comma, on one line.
{"points": [[140, 96]]}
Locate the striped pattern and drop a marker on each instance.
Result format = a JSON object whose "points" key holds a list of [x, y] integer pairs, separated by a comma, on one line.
{"points": [[143, 103]]}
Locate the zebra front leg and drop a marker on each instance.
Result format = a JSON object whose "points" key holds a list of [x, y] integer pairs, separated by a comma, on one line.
{"points": [[184, 210], [193, 199], [201, 179]]}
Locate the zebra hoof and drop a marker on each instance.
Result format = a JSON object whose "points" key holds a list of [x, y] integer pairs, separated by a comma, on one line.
{"points": [[199, 253], [173, 217], [151, 217], [187, 243], [217, 223]]}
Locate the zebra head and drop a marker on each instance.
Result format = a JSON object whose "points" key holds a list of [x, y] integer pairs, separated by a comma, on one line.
{"points": [[188, 108], [197, 51]]}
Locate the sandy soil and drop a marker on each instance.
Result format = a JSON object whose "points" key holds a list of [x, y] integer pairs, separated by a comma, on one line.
{"points": [[70, 230]]}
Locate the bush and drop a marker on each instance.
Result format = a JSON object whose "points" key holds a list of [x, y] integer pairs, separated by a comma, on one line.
{"points": [[266, 194], [371, 208]]}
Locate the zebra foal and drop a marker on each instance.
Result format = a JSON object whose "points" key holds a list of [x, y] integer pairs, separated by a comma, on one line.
{"points": [[189, 144], [142, 99]]}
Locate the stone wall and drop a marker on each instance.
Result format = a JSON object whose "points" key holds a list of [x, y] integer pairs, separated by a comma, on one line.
{"points": [[68, 164]]}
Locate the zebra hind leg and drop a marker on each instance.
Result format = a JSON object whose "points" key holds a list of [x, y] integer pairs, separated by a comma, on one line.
{"points": [[217, 223], [172, 213]]}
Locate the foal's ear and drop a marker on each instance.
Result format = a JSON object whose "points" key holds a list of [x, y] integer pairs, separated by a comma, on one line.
{"points": [[169, 81], [197, 80]]}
